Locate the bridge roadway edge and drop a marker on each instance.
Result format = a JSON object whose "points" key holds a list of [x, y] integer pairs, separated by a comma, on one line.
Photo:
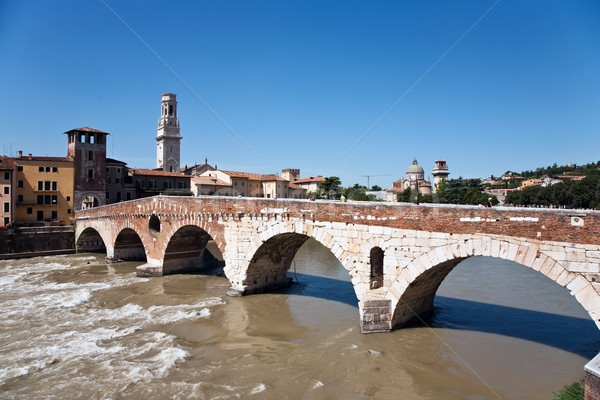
{"points": [[418, 241]]}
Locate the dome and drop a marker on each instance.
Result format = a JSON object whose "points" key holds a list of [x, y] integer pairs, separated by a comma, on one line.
{"points": [[415, 168]]}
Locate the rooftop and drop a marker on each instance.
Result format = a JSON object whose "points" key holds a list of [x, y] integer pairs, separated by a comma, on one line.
{"points": [[154, 172]]}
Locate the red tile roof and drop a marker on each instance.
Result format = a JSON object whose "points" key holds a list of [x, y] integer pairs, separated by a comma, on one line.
{"points": [[87, 129], [254, 177], [309, 180], [43, 158], [297, 187], [208, 180], [153, 172], [6, 164]]}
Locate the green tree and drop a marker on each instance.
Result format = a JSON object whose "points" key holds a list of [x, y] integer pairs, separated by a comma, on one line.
{"points": [[375, 188], [330, 188]]}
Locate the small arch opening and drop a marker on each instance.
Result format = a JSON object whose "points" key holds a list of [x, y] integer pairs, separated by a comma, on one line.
{"points": [[154, 223], [376, 261]]}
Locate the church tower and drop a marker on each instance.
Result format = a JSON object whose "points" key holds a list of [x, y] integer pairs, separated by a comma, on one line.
{"points": [[440, 172], [167, 139]]}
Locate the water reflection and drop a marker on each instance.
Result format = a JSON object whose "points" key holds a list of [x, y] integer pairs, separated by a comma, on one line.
{"points": [[576, 335]]}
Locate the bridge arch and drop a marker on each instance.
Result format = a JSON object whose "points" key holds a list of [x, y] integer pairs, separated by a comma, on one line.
{"points": [[90, 240], [413, 292], [270, 253], [186, 249], [128, 245]]}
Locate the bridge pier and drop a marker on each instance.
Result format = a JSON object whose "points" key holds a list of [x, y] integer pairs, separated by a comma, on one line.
{"points": [[376, 315]]}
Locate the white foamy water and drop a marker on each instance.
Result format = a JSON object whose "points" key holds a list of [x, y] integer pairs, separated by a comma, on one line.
{"points": [[52, 328]]}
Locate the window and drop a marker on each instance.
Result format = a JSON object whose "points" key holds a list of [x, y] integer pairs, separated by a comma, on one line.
{"points": [[29, 210], [20, 168], [20, 198], [47, 185], [6, 207], [107, 195], [90, 174], [68, 198], [41, 169], [40, 185], [376, 260], [47, 199], [48, 169], [128, 195], [93, 139], [107, 170], [90, 155], [6, 221], [235, 183], [54, 215], [69, 211], [54, 169], [108, 180], [118, 180], [243, 183], [118, 170], [6, 189], [166, 185], [170, 109], [82, 138], [54, 185], [118, 196], [20, 184], [152, 184], [40, 199], [6, 176], [54, 199], [40, 215]]}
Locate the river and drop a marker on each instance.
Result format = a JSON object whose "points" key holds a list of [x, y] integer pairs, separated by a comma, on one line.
{"points": [[76, 327]]}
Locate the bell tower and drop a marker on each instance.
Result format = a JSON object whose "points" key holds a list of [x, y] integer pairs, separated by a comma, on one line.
{"points": [[168, 138], [440, 172]]}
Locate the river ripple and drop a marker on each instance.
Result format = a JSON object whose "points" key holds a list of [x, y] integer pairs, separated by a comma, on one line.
{"points": [[73, 326]]}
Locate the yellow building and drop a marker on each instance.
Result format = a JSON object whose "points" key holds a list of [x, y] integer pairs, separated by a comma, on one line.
{"points": [[246, 184], [6, 191], [44, 190]]}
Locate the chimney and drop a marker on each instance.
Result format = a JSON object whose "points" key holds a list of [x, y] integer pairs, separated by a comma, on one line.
{"points": [[30, 156], [20, 153]]}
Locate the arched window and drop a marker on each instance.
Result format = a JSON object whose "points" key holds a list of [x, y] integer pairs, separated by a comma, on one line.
{"points": [[376, 261], [154, 223], [170, 109]]}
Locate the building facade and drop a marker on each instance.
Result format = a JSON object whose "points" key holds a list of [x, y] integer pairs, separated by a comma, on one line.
{"points": [[7, 192], [168, 137], [150, 182], [44, 189]]}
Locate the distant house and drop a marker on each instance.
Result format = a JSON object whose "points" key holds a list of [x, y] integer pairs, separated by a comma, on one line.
{"points": [[531, 182], [151, 182], [246, 184], [311, 184], [198, 169]]}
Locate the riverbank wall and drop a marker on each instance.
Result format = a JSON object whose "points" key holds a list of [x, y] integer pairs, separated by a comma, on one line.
{"points": [[38, 241]]}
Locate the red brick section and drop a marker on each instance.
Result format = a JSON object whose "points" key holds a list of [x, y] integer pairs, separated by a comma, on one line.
{"points": [[592, 387], [552, 224]]}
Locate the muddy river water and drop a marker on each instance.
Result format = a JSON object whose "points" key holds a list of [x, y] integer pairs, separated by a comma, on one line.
{"points": [[76, 327]]}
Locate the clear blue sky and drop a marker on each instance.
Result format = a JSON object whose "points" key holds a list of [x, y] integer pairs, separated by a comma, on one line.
{"points": [[301, 82]]}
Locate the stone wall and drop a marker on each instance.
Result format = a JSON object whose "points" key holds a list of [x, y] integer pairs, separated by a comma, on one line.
{"points": [[36, 240]]}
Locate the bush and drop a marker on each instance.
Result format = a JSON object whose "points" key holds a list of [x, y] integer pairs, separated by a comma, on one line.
{"points": [[573, 391]]}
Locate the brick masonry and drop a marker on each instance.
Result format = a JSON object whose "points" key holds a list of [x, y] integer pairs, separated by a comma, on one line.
{"points": [[422, 243]]}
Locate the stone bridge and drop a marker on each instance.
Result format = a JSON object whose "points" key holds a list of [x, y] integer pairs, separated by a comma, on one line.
{"points": [[397, 255]]}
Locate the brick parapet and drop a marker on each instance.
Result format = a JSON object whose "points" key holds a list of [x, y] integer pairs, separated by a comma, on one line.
{"points": [[531, 223]]}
